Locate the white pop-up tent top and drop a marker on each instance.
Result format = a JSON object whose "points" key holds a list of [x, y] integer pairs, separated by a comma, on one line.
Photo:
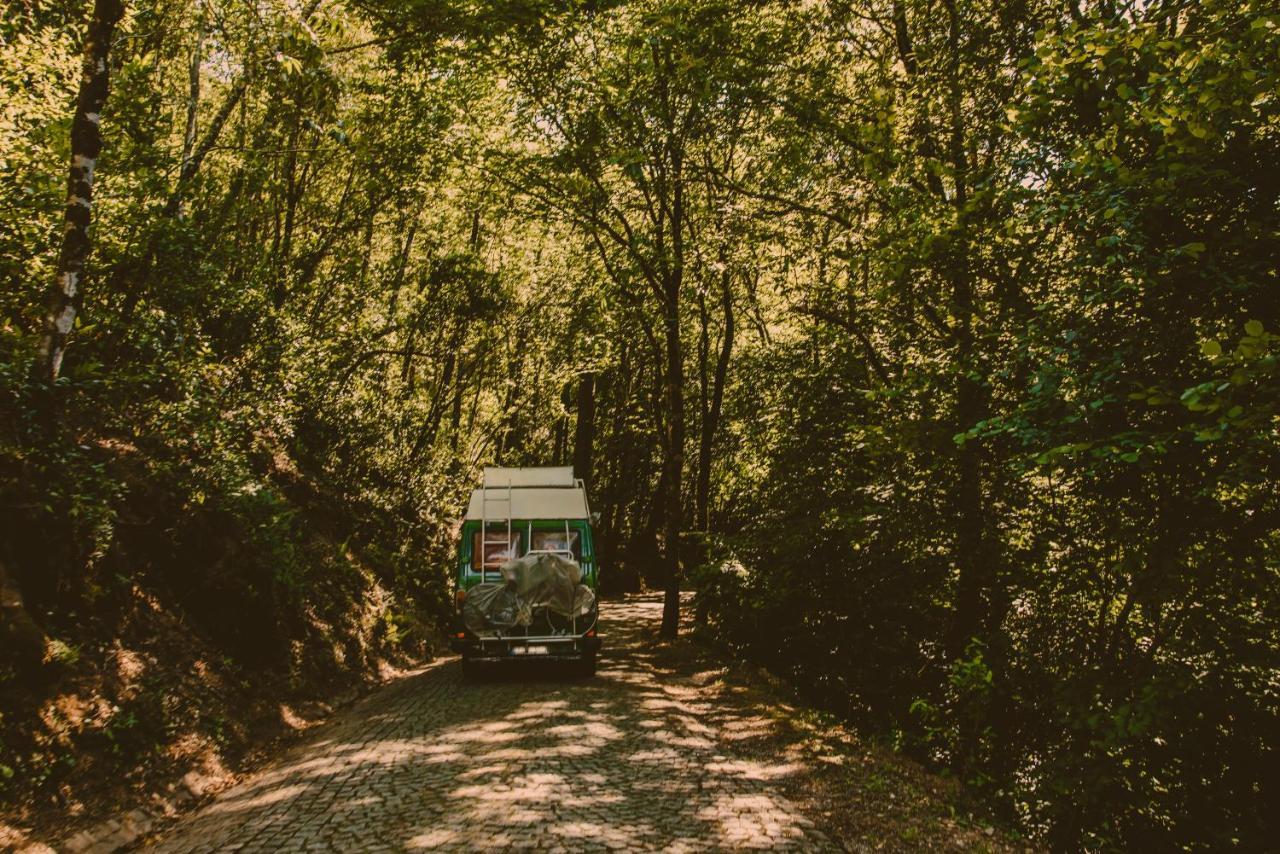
{"points": [[545, 492]]}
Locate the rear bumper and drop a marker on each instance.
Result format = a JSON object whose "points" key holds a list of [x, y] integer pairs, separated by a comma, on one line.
{"points": [[571, 647]]}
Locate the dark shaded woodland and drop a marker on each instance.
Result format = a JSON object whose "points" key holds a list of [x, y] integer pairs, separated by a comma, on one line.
{"points": [[932, 342]]}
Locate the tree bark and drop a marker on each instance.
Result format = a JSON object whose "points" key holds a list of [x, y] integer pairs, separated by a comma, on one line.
{"points": [[674, 468], [193, 99], [560, 441], [976, 559], [86, 146], [673, 282], [712, 408], [585, 430], [191, 162]]}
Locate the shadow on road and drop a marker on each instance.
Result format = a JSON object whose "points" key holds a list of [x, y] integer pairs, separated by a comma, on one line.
{"points": [[527, 756]]}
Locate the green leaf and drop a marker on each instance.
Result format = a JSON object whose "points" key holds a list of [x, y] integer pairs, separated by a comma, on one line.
{"points": [[1254, 328], [1211, 348]]}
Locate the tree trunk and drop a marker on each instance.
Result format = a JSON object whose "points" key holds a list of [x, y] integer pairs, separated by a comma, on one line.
{"points": [[584, 434], [431, 424], [971, 558], [618, 490], [712, 409], [455, 414], [674, 470], [193, 99], [191, 164], [191, 161], [704, 410], [560, 451], [976, 558], [976, 569], [86, 145], [644, 550]]}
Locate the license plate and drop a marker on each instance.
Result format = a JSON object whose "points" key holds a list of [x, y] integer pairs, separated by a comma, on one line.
{"points": [[530, 650]]}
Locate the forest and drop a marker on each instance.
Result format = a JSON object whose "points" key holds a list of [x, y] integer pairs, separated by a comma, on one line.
{"points": [[934, 344]]}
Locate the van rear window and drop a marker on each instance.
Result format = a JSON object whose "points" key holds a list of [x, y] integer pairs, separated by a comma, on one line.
{"points": [[495, 547], [554, 541]]}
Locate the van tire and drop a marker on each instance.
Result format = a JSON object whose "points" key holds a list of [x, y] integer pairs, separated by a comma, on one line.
{"points": [[587, 665]]}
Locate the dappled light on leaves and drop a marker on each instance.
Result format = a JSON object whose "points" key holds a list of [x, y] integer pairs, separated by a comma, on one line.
{"points": [[934, 345]]}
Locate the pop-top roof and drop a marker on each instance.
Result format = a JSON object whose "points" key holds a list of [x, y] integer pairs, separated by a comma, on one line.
{"points": [[540, 476], [536, 493]]}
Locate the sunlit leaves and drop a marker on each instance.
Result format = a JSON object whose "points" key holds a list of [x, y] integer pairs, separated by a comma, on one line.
{"points": [[423, 224]]}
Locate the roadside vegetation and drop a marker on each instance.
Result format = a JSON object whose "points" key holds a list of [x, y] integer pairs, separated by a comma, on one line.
{"points": [[933, 343]]}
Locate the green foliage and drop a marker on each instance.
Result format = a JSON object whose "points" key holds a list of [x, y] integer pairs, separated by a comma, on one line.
{"points": [[992, 287], [1105, 406]]}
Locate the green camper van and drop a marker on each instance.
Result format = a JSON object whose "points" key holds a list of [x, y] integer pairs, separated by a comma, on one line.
{"points": [[526, 572]]}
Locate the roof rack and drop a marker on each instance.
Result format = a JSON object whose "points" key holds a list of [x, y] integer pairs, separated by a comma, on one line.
{"points": [[539, 476], [529, 493]]}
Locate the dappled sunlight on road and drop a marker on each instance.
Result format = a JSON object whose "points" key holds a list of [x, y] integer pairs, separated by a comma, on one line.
{"points": [[527, 757]]}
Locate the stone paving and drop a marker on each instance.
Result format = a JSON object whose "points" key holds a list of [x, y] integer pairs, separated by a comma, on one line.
{"points": [[640, 758]]}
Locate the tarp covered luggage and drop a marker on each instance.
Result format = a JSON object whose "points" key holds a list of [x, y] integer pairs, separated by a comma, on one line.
{"points": [[530, 584]]}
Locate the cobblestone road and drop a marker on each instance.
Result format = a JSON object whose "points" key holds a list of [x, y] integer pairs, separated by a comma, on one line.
{"points": [[643, 757]]}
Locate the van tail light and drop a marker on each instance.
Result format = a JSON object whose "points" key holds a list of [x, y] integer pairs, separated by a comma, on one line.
{"points": [[591, 633], [460, 598], [461, 635]]}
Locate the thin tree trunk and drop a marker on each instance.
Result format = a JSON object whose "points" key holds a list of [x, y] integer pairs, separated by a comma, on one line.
{"points": [[191, 162], [367, 252], [410, 229], [975, 557], [560, 439], [655, 522], [455, 415], [673, 282], [473, 407], [617, 538], [295, 187], [191, 165], [585, 430], [431, 424], [713, 408], [86, 145], [193, 98], [704, 400], [674, 470]]}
